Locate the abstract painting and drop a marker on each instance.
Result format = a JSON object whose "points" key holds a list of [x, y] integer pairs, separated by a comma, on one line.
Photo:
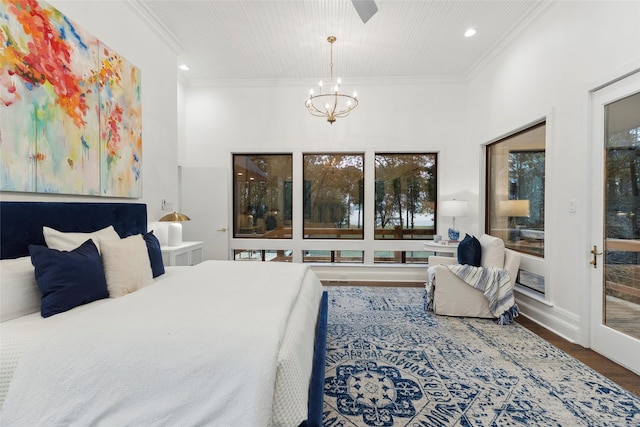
{"points": [[120, 126], [70, 107]]}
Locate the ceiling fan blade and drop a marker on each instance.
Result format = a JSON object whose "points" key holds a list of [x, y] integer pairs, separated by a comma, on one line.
{"points": [[365, 8]]}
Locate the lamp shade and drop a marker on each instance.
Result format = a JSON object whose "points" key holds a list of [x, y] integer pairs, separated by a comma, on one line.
{"points": [[175, 217], [454, 208], [514, 208]]}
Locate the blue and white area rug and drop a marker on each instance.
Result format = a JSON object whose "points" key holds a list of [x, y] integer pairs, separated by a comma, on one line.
{"points": [[391, 364]]}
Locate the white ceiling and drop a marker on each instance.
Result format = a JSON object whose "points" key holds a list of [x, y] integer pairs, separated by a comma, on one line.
{"points": [[287, 39]]}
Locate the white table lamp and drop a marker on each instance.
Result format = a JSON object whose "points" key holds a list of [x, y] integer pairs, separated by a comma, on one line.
{"points": [[454, 208], [175, 228]]}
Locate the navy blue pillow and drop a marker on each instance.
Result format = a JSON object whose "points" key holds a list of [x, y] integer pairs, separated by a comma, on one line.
{"points": [[155, 254], [469, 251], [68, 279]]}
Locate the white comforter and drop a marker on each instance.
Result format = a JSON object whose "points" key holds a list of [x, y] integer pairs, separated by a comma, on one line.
{"points": [[199, 348]]}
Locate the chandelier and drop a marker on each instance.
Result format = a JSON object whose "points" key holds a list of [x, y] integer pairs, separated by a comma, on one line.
{"points": [[331, 104]]}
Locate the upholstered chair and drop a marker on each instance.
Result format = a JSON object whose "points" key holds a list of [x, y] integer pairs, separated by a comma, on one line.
{"points": [[453, 297]]}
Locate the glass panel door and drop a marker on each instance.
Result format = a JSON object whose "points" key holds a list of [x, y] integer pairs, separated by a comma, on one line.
{"points": [[614, 318], [621, 291]]}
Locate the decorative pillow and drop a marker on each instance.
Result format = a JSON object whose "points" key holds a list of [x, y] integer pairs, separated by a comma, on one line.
{"points": [[19, 293], [68, 279], [469, 251], [69, 241], [155, 254], [492, 251], [126, 265]]}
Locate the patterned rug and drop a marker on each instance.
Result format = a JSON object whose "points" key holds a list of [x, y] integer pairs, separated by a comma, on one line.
{"points": [[391, 364]]}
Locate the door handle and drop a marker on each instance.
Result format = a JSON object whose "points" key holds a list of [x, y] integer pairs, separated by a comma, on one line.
{"points": [[223, 229], [595, 253]]}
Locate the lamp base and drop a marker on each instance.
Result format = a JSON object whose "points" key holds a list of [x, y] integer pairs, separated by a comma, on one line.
{"points": [[453, 234], [175, 234]]}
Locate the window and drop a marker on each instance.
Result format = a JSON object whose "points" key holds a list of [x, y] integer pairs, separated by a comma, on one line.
{"points": [[262, 255], [262, 198], [333, 196], [515, 196], [325, 219], [405, 194], [324, 256], [515, 191], [401, 257]]}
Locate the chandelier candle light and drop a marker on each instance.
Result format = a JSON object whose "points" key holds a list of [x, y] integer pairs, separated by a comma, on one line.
{"points": [[331, 104]]}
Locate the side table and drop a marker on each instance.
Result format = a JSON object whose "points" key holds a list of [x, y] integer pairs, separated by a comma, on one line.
{"points": [[449, 248], [187, 253]]}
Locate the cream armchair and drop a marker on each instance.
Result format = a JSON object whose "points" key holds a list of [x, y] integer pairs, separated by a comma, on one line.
{"points": [[453, 297]]}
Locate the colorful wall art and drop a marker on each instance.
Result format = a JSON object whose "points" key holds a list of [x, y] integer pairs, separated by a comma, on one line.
{"points": [[70, 108]]}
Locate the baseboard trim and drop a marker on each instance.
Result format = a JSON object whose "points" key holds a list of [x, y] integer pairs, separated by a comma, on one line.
{"points": [[561, 322]]}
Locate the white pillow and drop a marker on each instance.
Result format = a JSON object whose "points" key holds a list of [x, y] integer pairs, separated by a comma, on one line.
{"points": [[19, 292], [126, 265], [69, 241], [492, 254]]}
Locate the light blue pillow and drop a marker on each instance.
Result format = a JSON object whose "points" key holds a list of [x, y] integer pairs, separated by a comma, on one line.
{"points": [[68, 279]]}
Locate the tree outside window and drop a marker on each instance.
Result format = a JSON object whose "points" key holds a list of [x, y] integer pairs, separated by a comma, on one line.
{"points": [[333, 196], [405, 194]]}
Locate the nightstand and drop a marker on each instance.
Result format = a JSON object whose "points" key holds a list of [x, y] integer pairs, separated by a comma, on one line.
{"points": [[188, 253]]}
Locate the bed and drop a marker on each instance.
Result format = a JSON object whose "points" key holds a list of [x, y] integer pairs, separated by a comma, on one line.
{"points": [[220, 343]]}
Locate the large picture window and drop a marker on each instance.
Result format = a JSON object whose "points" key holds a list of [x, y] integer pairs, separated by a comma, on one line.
{"points": [[405, 195], [515, 191], [333, 196], [317, 200], [262, 198], [516, 195]]}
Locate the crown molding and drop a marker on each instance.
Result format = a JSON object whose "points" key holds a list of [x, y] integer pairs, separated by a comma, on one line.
{"points": [[156, 25]]}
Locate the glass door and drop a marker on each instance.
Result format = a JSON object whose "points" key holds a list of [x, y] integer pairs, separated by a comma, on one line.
{"points": [[615, 255]]}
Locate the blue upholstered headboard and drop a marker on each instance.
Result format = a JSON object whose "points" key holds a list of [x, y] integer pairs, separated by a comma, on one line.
{"points": [[21, 222]]}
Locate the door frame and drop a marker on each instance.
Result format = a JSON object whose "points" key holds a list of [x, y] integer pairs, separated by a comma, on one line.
{"points": [[613, 344]]}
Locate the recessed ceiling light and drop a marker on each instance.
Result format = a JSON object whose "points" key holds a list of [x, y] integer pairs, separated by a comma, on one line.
{"points": [[470, 32], [184, 67]]}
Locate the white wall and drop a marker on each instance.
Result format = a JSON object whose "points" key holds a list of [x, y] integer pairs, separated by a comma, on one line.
{"points": [[408, 116], [116, 25], [426, 116], [548, 70]]}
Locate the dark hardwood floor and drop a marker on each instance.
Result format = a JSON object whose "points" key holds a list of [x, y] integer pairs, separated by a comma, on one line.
{"points": [[616, 373]]}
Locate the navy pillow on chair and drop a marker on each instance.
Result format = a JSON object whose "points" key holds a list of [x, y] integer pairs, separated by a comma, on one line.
{"points": [[155, 254], [68, 279], [469, 251]]}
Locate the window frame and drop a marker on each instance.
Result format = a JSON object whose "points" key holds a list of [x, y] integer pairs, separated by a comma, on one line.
{"points": [[297, 243], [534, 264]]}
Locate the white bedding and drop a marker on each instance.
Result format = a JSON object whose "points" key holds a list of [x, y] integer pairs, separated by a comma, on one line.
{"points": [[200, 347]]}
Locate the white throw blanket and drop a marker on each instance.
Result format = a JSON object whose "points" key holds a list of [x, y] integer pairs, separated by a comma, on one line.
{"points": [[197, 350], [495, 284]]}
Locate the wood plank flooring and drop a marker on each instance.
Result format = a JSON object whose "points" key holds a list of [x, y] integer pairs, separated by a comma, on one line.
{"points": [[616, 373]]}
